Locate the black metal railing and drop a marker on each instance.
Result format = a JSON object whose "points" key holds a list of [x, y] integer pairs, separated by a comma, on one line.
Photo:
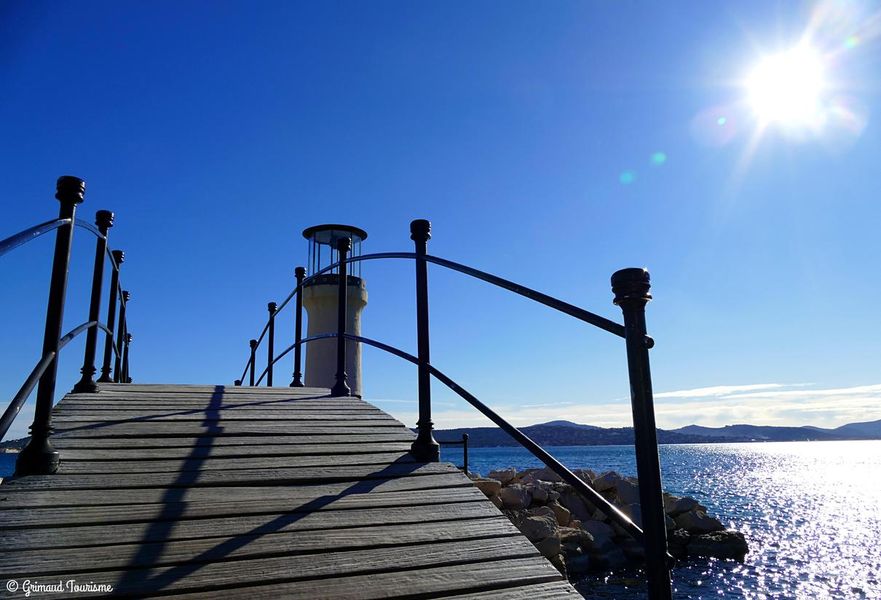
{"points": [[39, 457], [464, 443], [631, 293]]}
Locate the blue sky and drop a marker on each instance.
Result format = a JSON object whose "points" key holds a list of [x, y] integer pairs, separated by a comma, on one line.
{"points": [[548, 143]]}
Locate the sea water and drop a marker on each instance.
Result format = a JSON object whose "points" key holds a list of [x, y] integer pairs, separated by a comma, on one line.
{"points": [[811, 513]]}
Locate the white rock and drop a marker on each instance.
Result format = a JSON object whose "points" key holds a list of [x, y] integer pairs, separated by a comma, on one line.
{"points": [[490, 487], [515, 496], [537, 528], [697, 521], [503, 475], [628, 492], [606, 481]]}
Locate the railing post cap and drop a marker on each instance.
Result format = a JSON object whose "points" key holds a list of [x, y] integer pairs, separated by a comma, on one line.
{"points": [[271, 306], [128, 338], [343, 244], [252, 343], [300, 272], [420, 230], [632, 283], [118, 256], [126, 295], [104, 218], [70, 189]]}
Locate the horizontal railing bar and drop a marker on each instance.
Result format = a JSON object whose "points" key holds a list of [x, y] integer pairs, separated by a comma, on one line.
{"points": [[30, 383], [564, 307], [29, 234]]}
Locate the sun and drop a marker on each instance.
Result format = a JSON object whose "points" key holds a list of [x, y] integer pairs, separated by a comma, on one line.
{"points": [[787, 89]]}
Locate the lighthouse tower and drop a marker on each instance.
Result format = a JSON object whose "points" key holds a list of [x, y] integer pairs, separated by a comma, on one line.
{"points": [[320, 298]]}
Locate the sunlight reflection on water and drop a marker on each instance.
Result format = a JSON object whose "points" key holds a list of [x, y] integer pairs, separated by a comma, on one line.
{"points": [[811, 512]]}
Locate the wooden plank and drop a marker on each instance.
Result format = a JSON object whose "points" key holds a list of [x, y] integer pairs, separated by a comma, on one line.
{"points": [[201, 417], [540, 591], [166, 528], [330, 565], [414, 583], [280, 476], [67, 560], [242, 451], [364, 439], [19, 497], [197, 463], [184, 509], [227, 428]]}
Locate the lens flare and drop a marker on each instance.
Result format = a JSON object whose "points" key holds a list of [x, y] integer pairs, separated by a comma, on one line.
{"points": [[627, 177]]}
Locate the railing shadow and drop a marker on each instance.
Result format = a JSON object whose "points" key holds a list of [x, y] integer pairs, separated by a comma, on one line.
{"points": [[138, 579]]}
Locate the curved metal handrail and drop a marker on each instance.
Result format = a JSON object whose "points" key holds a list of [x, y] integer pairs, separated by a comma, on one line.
{"points": [[90, 227], [549, 301], [30, 234], [580, 486], [30, 383]]}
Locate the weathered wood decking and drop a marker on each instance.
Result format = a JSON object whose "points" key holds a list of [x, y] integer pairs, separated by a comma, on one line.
{"points": [[228, 492]]}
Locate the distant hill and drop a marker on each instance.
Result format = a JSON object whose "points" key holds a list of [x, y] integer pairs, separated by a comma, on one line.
{"points": [[567, 433]]}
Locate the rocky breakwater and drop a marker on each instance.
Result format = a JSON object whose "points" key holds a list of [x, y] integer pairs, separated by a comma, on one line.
{"points": [[577, 538]]}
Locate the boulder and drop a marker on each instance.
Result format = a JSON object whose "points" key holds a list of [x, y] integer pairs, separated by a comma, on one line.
{"points": [[634, 511], [719, 544], [497, 501], [515, 496], [546, 475], [562, 513], [537, 528], [598, 529], [674, 505], [574, 539], [606, 481], [576, 505], [505, 476], [559, 563], [628, 492], [677, 543], [586, 475], [490, 487], [697, 521], [549, 547], [539, 494], [543, 511], [670, 523]]}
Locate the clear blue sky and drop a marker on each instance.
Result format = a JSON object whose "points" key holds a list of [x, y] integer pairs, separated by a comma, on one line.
{"points": [[548, 143]]}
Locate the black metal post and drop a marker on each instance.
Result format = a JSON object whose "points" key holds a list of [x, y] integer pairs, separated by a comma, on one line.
{"points": [[119, 258], [631, 288], [86, 384], [300, 272], [341, 387], [253, 344], [270, 342], [425, 447], [465, 452], [39, 457], [126, 378], [120, 338]]}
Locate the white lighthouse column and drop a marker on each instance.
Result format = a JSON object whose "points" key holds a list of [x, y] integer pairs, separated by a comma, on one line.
{"points": [[320, 302]]}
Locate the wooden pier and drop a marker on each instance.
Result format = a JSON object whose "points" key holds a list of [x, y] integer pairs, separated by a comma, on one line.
{"points": [[225, 492]]}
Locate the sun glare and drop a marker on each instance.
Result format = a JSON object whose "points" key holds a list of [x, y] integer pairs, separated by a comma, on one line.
{"points": [[788, 88]]}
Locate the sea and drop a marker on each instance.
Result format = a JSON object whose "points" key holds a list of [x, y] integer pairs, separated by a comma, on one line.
{"points": [[811, 512]]}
